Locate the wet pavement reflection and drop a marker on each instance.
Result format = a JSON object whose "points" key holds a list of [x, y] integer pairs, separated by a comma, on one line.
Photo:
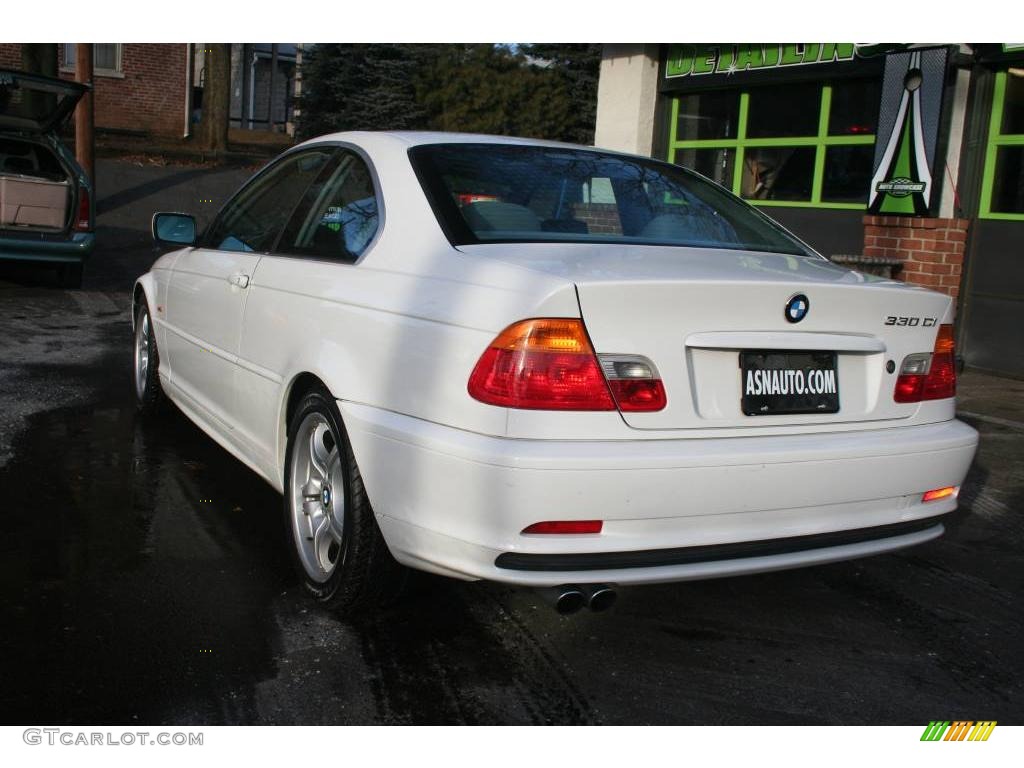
{"points": [[145, 579]]}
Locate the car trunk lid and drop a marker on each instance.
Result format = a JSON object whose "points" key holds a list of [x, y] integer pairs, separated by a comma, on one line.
{"points": [[695, 312]]}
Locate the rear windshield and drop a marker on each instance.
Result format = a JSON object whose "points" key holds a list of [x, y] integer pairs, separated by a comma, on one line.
{"points": [[484, 193]]}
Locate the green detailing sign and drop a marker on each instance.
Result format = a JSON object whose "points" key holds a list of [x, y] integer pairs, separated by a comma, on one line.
{"points": [[685, 60]]}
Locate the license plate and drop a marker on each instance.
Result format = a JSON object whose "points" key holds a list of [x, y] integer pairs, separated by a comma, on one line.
{"points": [[788, 382]]}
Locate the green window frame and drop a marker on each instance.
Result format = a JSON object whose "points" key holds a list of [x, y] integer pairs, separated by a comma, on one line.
{"points": [[996, 140], [820, 142]]}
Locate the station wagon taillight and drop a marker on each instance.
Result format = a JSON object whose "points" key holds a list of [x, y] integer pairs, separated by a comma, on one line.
{"points": [[929, 376], [549, 364], [82, 218]]}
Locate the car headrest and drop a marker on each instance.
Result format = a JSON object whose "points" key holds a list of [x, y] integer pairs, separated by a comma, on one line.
{"points": [[491, 215], [695, 225]]}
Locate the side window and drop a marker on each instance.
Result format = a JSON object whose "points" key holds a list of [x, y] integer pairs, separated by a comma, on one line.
{"points": [[338, 215], [252, 220]]}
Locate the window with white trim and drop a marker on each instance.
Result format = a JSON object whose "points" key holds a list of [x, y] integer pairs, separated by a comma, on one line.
{"points": [[106, 58]]}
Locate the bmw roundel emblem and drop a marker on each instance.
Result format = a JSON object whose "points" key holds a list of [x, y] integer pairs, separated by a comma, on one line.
{"points": [[797, 308]]}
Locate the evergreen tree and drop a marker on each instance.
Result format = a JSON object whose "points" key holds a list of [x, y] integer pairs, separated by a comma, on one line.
{"points": [[538, 91], [579, 65], [353, 87]]}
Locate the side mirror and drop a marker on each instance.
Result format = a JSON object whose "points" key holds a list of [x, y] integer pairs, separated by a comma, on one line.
{"points": [[174, 229]]}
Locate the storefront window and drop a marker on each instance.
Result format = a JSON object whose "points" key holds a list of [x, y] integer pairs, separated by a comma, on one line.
{"points": [[778, 173], [1013, 103], [797, 144], [847, 173], [715, 164], [1002, 187], [711, 115], [784, 110], [854, 109]]}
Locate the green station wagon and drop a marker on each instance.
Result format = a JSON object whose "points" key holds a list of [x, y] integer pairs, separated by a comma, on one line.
{"points": [[47, 210]]}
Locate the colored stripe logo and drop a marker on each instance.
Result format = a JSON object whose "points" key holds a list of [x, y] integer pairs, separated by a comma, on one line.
{"points": [[958, 730]]}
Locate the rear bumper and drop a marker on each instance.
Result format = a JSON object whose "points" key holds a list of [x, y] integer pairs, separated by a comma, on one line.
{"points": [[73, 249], [455, 502]]}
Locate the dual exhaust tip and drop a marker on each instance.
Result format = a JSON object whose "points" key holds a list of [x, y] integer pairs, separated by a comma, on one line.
{"points": [[569, 599]]}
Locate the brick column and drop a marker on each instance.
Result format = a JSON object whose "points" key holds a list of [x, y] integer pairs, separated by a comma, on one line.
{"points": [[931, 250]]}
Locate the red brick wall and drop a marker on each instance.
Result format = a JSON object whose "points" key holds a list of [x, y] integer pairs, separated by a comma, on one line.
{"points": [[932, 250], [149, 97], [600, 218], [10, 55]]}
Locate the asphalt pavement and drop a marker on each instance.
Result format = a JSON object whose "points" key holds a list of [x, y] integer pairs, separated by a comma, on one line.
{"points": [[144, 579]]}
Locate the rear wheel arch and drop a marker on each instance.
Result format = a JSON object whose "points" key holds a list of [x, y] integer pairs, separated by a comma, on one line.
{"points": [[300, 384], [140, 295]]}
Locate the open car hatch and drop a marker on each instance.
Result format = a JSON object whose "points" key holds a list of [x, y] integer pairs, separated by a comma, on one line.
{"points": [[35, 104]]}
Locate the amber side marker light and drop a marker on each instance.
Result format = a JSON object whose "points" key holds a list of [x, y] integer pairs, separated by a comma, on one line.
{"points": [[565, 526], [940, 493]]}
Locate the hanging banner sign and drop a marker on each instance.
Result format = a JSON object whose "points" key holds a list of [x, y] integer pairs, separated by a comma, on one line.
{"points": [[730, 58], [695, 66], [905, 180]]}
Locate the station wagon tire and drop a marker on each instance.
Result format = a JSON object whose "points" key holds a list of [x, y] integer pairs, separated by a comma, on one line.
{"points": [[336, 547], [70, 275], [149, 396]]}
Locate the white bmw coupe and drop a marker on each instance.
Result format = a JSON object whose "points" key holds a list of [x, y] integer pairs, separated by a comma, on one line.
{"points": [[547, 365]]}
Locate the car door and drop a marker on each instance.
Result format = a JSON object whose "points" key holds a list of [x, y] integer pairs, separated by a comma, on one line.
{"points": [[297, 300], [209, 286]]}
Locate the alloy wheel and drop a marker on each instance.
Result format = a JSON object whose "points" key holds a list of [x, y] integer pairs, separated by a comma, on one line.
{"points": [[317, 497], [142, 333]]}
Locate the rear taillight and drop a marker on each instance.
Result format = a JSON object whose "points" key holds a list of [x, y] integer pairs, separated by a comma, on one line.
{"points": [[544, 364], [925, 376], [549, 364], [83, 220]]}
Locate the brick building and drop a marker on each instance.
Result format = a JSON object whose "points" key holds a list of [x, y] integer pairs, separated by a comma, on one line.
{"points": [[909, 158], [138, 87], [156, 88]]}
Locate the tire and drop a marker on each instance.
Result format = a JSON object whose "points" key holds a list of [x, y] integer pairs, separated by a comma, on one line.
{"points": [[149, 396], [338, 553], [70, 275]]}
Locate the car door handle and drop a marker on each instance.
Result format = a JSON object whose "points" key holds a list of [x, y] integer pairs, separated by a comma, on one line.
{"points": [[240, 279]]}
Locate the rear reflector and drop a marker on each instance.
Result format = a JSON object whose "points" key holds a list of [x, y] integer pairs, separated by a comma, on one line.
{"points": [[939, 493], [926, 376], [543, 364], [565, 526]]}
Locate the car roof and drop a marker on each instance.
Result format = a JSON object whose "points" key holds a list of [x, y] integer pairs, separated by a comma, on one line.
{"points": [[403, 140]]}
